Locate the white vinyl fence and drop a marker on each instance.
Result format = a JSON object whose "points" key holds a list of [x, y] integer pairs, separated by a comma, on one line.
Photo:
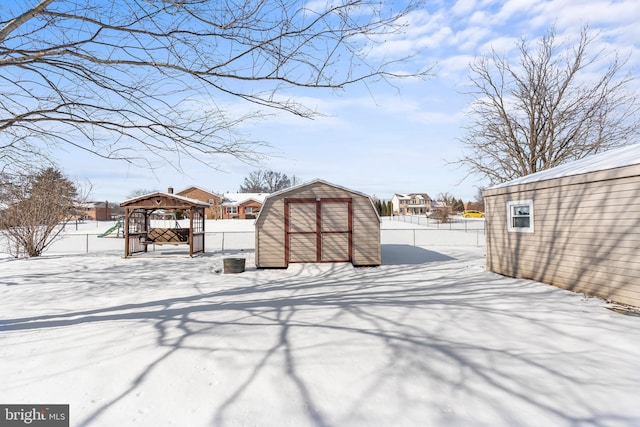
{"points": [[456, 222], [91, 243], [429, 237]]}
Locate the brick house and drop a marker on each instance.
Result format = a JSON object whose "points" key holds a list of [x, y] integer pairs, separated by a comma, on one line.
{"points": [[98, 211], [242, 205], [213, 211]]}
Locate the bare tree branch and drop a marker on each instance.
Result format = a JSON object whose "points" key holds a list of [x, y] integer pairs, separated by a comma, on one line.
{"points": [[123, 79]]}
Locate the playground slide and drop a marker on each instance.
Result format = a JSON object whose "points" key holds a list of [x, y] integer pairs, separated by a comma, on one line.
{"points": [[111, 230]]}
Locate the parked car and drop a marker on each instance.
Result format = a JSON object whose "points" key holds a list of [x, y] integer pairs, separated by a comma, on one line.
{"points": [[472, 214]]}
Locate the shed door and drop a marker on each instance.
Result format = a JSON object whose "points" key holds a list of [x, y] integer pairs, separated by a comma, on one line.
{"points": [[302, 232], [318, 230]]}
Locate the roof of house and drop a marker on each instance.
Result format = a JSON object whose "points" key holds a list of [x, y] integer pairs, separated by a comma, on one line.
{"points": [[233, 199], [198, 188], [424, 196], [611, 159]]}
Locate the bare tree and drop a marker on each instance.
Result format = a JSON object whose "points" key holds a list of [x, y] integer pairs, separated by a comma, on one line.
{"points": [[547, 109], [477, 204], [266, 181], [447, 198], [35, 209], [444, 208], [130, 79]]}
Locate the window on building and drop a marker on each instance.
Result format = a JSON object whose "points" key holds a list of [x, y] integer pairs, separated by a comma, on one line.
{"points": [[248, 210], [232, 210], [520, 216]]}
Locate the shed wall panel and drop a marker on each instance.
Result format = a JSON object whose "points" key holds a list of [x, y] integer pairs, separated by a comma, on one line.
{"points": [[302, 248], [366, 239], [302, 217], [335, 217], [335, 247], [270, 237]]}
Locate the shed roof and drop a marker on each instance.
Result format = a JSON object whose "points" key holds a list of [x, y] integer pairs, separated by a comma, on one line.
{"points": [[320, 181], [315, 181], [611, 159]]}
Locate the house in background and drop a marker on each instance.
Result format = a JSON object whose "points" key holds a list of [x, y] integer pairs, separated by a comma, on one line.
{"points": [[99, 211], [411, 204], [241, 205], [317, 222], [575, 226], [86, 211], [213, 211]]}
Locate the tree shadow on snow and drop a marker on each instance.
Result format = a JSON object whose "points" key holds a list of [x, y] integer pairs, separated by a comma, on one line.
{"points": [[407, 254]]}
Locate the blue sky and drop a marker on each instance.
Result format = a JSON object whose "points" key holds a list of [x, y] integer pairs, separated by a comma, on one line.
{"points": [[381, 139]]}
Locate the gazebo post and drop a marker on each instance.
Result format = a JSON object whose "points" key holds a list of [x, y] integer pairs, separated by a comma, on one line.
{"points": [[204, 230], [191, 209], [127, 214], [147, 226]]}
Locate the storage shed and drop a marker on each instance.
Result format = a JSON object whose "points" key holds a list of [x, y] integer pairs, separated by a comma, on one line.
{"points": [[317, 222], [575, 226]]}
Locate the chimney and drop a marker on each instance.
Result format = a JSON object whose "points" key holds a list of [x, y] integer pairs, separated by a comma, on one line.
{"points": [[170, 190]]}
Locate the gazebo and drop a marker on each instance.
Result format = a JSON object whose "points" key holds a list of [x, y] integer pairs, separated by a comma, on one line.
{"points": [[139, 234]]}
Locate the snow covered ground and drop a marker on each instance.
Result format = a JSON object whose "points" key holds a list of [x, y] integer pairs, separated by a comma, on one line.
{"points": [[427, 339]]}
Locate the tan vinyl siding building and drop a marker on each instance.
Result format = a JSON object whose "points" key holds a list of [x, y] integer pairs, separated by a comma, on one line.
{"points": [[317, 222], [576, 226]]}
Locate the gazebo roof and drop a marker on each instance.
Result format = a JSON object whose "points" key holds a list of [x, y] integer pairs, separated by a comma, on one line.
{"points": [[161, 200]]}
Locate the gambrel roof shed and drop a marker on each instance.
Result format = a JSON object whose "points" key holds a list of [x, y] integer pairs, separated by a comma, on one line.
{"points": [[575, 226], [317, 222]]}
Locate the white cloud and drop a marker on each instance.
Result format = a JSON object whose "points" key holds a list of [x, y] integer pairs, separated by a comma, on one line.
{"points": [[468, 39], [455, 68], [463, 7], [501, 45], [512, 8], [424, 30]]}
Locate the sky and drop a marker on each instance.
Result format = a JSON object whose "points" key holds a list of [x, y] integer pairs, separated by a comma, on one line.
{"points": [[383, 139]]}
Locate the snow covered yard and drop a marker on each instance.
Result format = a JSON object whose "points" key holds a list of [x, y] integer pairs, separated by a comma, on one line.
{"points": [[427, 339]]}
